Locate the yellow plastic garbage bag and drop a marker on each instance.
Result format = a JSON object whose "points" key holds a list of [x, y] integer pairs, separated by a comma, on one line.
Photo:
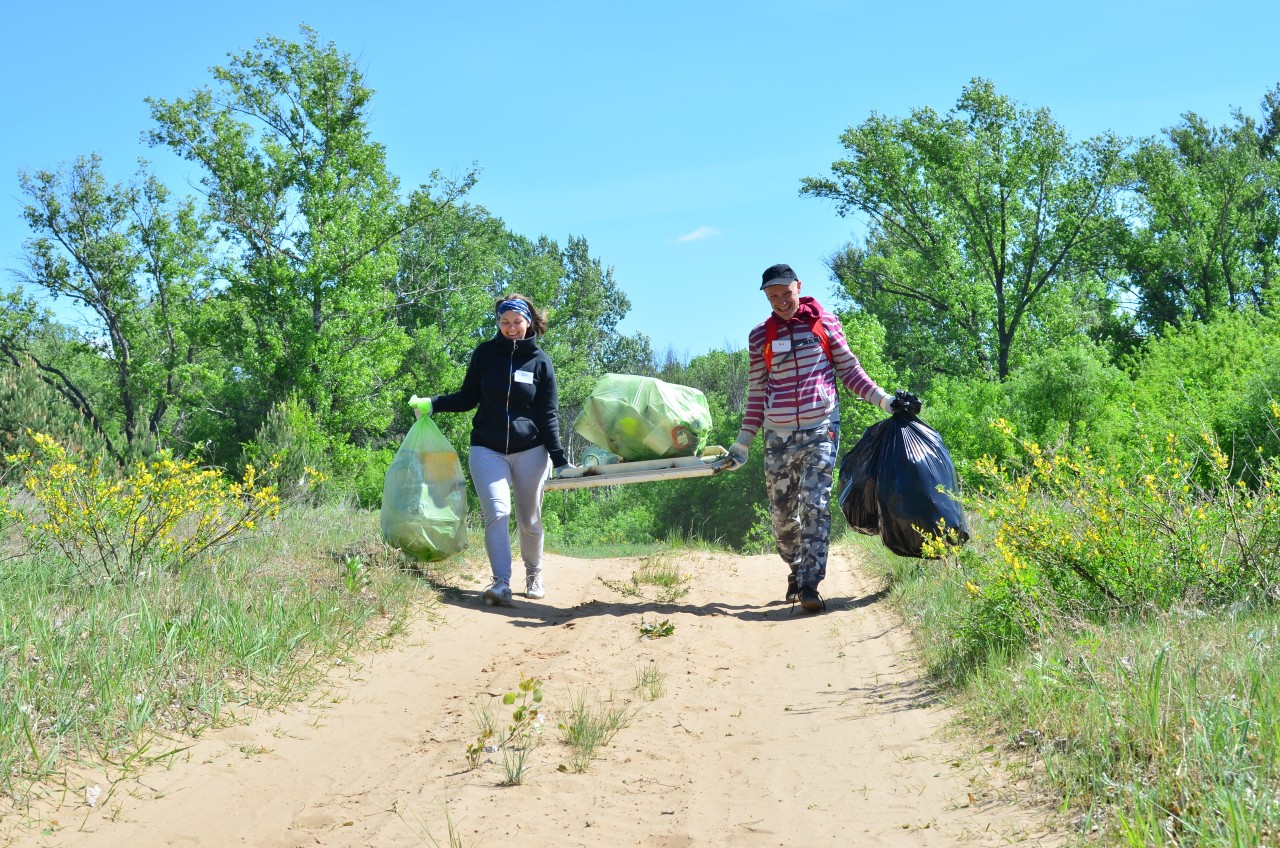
{"points": [[641, 418], [424, 497]]}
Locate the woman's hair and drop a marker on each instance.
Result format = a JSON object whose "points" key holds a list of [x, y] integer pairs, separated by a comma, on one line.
{"points": [[538, 326]]}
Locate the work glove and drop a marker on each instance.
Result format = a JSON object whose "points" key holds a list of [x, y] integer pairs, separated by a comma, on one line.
{"points": [[560, 470], [904, 401], [421, 406], [738, 453]]}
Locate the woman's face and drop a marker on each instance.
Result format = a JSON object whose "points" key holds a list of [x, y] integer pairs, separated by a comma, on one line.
{"points": [[512, 325]]}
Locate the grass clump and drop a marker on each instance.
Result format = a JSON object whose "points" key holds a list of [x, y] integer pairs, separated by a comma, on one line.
{"points": [[1165, 731], [651, 683], [588, 727], [658, 579]]}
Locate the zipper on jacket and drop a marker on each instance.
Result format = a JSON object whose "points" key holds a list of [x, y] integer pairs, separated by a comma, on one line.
{"points": [[795, 367], [511, 379]]}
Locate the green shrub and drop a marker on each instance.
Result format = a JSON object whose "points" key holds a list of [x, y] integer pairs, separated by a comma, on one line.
{"points": [[1206, 376], [290, 438], [1252, 434], [368, 474], [600, 516], [961, 410], [1070, 393]]}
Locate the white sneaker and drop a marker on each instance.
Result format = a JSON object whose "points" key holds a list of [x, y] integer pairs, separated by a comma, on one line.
{"points": [[497, 595], [533, 584]]}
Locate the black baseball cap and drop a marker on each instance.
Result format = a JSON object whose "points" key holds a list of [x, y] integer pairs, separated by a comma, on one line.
{"points": [[777, 275]]}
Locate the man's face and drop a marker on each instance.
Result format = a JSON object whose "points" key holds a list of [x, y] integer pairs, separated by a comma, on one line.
{"points": [[785, 300]]}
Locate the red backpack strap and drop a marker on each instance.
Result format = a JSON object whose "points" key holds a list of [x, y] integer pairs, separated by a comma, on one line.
{"points": [[820, 330], [770, 333]]}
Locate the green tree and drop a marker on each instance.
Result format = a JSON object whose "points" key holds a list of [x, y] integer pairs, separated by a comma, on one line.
{"points": [[313, 221], [1207, 222], [134, 263], [985, 225]]}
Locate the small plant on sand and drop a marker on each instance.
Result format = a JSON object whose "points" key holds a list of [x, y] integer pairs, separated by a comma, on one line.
{"points": [[487, 740], [660, 572], [656, 630], [423, 831], [651, 683], [588, 727], [663, 572], [525, 732]]}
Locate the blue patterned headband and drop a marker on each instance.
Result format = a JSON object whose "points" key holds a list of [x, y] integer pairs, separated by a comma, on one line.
{"points": [[516, 306]]}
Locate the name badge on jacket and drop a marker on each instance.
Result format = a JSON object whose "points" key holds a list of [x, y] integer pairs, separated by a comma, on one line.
{"points": [[523, 376], [781, 345]]}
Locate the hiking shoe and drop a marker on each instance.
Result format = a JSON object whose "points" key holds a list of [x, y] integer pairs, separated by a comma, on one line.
{"points": [[497, 595], [793, 588], [810, 600], [533, 584]]}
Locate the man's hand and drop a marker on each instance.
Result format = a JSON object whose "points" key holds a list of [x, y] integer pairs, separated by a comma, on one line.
{"points": [[560, 471], [738, 452], [904, 401]]}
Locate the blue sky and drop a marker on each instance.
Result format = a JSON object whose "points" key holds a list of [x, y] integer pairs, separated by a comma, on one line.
{"points": [[673, 136]]}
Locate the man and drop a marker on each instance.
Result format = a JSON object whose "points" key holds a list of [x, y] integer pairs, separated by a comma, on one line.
{"points": [[795, 357]]}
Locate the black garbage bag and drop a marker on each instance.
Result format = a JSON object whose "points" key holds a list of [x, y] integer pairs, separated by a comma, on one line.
{"points": [[890, 484], [857, 498]]}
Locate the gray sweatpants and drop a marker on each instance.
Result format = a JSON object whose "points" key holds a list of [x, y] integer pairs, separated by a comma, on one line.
{"points": [[494, 476]]}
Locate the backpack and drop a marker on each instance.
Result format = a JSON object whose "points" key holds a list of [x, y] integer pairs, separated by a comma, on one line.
{"points": [[771, 333]]}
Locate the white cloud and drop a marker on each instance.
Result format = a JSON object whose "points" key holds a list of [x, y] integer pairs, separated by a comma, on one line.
{"points": [[698, 234]]}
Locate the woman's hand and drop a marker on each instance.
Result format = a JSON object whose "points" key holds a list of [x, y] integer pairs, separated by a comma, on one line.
{"points": [[421, 406]]}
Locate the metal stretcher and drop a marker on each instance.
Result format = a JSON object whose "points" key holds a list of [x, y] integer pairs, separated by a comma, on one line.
{"points": [[714, 460]]}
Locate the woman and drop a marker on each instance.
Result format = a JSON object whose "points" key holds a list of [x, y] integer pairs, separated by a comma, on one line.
{"points": [[514, 435]]}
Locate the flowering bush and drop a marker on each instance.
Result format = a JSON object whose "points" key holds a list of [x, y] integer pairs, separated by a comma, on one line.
{"points": [[1072, 535], [166, 511], [9, 516]]}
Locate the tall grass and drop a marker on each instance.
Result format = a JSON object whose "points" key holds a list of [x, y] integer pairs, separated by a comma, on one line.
{"points": [[104, 670], [1168, 730], [1157, 728]]}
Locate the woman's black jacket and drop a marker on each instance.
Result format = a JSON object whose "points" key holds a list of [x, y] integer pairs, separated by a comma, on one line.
{"points": [[512, 387]]}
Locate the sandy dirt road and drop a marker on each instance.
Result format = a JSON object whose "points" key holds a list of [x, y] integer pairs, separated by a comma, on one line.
{"points": [[776, 728]]}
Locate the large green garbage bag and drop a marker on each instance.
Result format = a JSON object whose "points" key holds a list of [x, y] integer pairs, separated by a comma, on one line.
{"points": [[424, 498], [642, 418]]}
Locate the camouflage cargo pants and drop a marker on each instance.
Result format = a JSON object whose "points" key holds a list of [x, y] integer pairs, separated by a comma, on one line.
{"points": [[798, 469]]}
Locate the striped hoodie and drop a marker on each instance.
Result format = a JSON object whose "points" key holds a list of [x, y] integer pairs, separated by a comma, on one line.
{"points": [[799, 391]]}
